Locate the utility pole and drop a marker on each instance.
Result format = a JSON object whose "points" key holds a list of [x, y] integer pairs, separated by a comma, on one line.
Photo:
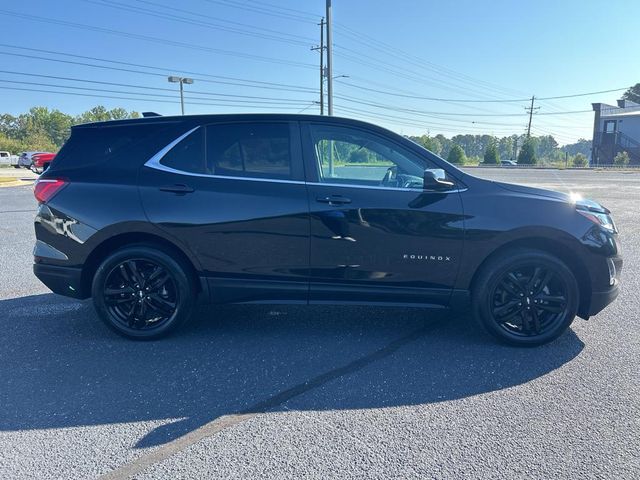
{"points": [[530, 110], [321, 49], [329, 60]]}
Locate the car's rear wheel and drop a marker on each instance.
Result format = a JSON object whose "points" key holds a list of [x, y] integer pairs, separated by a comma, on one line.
{"points": [[141, 292], [526, 297]]}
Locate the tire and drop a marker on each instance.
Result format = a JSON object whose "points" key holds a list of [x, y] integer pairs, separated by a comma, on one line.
{"points": [[142, 293], [525, 297], [16, 166]]}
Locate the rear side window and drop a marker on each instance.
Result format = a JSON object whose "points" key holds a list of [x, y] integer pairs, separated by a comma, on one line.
{"points": [[257, 150], [127, 144], [188, 154]]}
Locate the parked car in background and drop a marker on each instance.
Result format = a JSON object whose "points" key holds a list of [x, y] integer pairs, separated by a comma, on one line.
{"points": [[508, 163], [25, 159], [149, 216], [8, 159], [41, 161]]}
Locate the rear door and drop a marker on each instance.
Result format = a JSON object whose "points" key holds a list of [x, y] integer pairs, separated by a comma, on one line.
{"points": [[234, 194], [376, 235]]}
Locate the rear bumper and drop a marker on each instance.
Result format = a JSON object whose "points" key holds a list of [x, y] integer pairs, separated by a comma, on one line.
{"points": [[65, 281]]}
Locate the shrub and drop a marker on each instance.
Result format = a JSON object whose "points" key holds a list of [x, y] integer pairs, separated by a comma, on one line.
{"points": [[621, 159], [580, 160], [491, 155], [527, 155], [457, 155]]}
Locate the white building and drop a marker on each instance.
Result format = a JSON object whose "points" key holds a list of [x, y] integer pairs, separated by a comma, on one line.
{"points": [[616, 129]]}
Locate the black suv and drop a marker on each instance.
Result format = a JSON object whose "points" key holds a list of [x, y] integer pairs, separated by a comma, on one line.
{"points": [[152, 216]]}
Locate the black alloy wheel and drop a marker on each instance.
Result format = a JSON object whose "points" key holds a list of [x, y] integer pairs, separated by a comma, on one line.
{"points": [[529, 300], [142, 292], [526, 297]]}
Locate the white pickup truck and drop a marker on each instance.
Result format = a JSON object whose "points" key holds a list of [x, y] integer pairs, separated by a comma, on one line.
{"points": [[8, 159]]}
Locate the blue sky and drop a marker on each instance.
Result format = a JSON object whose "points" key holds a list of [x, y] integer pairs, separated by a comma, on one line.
{"points": [[470, 55]]}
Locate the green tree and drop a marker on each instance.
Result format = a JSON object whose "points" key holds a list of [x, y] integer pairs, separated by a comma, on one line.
{"points": [[621, 159], [633, 93], [580, 160], [456, 155], [10, 145], [101, 114], [430, 143], [491, 155], [527, 155]]}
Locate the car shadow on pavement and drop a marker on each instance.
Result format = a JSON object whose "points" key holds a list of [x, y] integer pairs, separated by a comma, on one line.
{"points": [[61, 367]]}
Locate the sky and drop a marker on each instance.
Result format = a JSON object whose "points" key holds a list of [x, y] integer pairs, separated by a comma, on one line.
{"points": [[416, 67]]}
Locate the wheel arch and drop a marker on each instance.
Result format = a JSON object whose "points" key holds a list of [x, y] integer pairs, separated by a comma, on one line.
{"points": [[113, 243], [553, 247]]}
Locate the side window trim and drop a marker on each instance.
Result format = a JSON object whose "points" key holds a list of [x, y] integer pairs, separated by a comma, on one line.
{"points": [[154, 162]]}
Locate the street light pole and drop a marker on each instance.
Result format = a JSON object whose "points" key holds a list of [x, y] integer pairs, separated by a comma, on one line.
{"points": [[181, 81]]}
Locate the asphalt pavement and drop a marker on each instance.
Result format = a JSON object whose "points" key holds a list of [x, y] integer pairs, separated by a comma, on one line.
{"points": [[317, 392]]}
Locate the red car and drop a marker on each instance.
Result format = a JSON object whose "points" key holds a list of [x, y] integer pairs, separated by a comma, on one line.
{"points": [[40, 162]]}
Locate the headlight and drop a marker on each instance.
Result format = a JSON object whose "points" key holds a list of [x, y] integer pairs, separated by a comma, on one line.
{"points": [[596, 213], [601, 219]]}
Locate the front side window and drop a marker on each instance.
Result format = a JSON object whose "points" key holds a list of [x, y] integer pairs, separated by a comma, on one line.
{"points": [[348, 155], [252, 150]]}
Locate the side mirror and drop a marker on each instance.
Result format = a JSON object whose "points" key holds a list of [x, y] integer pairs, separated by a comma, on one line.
{"points": [[433, 183]]}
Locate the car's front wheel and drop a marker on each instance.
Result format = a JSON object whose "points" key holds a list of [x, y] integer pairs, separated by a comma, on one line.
{"points": [[526, 297], [141, 292]]}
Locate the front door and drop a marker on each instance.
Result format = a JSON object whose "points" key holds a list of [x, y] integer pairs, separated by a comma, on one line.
{"points": [[234, 195], [376, 235]]}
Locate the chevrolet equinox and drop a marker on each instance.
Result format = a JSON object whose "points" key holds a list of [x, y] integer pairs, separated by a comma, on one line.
{"points": [[153, 216]]}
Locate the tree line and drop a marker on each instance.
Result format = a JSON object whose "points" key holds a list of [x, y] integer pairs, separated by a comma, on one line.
{"points": [[41, 129], [489, 149]]}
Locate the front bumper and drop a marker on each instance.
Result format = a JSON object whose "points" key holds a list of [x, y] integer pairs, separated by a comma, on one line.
{"points": [[65, 281], [599, 300]]}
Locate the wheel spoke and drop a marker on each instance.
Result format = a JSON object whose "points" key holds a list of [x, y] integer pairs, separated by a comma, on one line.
{"points": [[112, 292], [135, 273], [156, 272], [161, 305], [159, 281], [501, 310], [537, 272], [536, 321], [510, 282]]}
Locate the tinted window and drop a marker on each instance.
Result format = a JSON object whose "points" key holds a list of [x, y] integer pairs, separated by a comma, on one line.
{"points": [[131, 144], [249, 150], [353, 156], [188, 154]]}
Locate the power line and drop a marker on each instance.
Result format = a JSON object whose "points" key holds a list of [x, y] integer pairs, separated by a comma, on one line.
{"points": [[163, 41], [467, 100], [73, 87], [145, 87], [263, 11], [146, 98], [428, 113], [197, 22], [245, 82]]}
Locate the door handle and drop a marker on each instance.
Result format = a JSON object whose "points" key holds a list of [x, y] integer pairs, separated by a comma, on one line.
{"points": [[178, 188], [334, 200]]}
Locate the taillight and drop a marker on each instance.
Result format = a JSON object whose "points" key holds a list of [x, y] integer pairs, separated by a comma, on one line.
{"points": [[44, 189]]}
